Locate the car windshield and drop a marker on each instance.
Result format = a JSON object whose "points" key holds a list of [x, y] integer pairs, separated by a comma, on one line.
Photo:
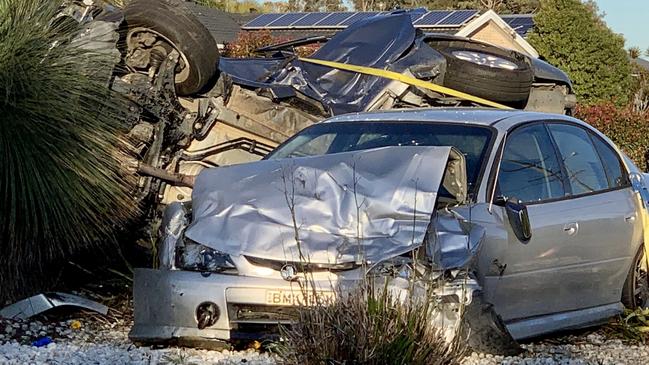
{"points": [[325, 138]]}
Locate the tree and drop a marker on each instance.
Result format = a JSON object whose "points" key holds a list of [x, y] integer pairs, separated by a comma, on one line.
{"points": [[233, 6], [315, 5], [572, 36], [635, 52]]}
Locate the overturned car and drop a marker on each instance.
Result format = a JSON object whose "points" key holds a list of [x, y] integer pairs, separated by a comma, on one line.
{"points": [[193, 109], [537, 214]]}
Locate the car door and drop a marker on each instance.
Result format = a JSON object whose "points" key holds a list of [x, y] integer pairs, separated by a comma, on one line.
{"points": [[603, 203], [576, 218], [530, 172]]}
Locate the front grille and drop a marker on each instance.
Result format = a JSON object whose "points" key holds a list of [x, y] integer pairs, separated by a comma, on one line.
{"points": [[249, 313], [258, 322]]}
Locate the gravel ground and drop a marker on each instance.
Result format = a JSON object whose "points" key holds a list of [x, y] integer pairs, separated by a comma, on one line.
{"points": [[91, 339]]}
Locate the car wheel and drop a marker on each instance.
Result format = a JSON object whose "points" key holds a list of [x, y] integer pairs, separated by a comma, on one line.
{"points": [[492, 73], [153, 28], [635, 293]]}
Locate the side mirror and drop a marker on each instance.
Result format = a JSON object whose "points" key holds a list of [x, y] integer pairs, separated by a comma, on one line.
{"points": [[518, 217]]}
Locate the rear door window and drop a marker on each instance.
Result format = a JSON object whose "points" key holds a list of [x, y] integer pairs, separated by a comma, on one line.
{"points": [[615, 172], [530, 169], [582, 163]]}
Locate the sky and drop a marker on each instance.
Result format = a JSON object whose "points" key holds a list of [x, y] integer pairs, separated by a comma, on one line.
{"points": [[629, 17]]}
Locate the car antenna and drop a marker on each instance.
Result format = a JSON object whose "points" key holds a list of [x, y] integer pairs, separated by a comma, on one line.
{"points": [[500, 157]]}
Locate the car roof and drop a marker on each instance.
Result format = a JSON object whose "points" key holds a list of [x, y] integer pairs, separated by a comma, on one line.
{"points": [[478, 116]]}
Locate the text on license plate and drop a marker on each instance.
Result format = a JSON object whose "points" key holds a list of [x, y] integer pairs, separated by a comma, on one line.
{"points": [[297, 297]]}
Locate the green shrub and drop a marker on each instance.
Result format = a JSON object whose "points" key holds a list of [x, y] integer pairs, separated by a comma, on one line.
{"points": [[249, 41], [628, 128], [365, 328], [631, 325]]}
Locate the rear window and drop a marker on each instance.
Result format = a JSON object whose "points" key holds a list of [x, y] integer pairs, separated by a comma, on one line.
{"points": [[473, 141]]}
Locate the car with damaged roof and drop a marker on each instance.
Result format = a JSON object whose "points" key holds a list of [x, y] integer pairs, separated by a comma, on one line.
{"points": [[531, 222], [193, 109]]}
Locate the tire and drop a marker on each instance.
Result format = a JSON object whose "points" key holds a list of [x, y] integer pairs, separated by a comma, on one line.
{"points": [[634, 280], [506, 86], [171, 19]]}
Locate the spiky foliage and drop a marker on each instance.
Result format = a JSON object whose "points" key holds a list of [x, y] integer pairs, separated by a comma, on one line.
{"points": [[367, 327], [60, 182]]}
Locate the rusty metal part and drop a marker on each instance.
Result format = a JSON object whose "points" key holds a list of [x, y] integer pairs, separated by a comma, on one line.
{"points": [[170, 177]]}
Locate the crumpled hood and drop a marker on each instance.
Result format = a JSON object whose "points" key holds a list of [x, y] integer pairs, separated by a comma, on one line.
{"points": [[329, 209]]}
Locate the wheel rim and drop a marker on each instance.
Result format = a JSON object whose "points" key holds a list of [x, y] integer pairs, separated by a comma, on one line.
{"points": [[485, 59], [640, 283], [144, 45]]}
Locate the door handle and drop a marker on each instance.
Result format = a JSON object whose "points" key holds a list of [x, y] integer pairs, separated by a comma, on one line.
{"points": [[571, 228], [630, 218]]}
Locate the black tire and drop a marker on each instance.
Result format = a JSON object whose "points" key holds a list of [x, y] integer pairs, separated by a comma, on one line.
{"points": [[174, 21], [510, 87], [634, 294]]}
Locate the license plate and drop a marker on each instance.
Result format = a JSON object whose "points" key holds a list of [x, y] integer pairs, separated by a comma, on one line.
{"points": [[297, 297]]}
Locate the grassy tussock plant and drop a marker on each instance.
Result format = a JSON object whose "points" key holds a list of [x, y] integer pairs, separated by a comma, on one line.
{"points": [[61, 187], [366, 328]]}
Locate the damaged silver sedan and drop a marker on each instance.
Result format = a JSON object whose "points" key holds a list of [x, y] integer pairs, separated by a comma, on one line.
{"points": [[534, 215]]}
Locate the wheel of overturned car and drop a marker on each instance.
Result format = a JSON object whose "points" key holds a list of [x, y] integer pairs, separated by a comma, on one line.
{"points": [[153, 28], [635, 293], [495, 74]]}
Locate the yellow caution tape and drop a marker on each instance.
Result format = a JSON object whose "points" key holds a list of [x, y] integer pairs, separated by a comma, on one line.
{"points": [[406, 80]]}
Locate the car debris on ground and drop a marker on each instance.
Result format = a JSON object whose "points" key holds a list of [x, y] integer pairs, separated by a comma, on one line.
{"points": [[40, 303]]}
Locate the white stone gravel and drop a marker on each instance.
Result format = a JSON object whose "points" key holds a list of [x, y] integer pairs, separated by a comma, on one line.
{"points": [[111, 346], [92, 353], [593, 349], [96, 345]]}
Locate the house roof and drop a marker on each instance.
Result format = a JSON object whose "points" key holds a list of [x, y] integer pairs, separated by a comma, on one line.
{"points": [[491, 16], [223, 27], [462, 23], [642, 63]]}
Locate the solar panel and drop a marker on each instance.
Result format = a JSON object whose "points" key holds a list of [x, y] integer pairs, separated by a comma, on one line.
{"points": [[334, 19], [416, 16], [310, 19], [358, 16], [458, 18], [262, 20], [432, 17], [287, 20], [521, 24]]}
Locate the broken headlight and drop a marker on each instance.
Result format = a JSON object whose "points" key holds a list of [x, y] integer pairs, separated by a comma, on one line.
{"points": [[397, 267], [197, 257]]}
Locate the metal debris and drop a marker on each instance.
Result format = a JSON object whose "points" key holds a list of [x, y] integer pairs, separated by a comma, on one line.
{"points": [[40, 303]]}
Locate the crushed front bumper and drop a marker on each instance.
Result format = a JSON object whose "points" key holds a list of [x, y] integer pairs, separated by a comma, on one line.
{"points": [[166, 309], [166, 303]]}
